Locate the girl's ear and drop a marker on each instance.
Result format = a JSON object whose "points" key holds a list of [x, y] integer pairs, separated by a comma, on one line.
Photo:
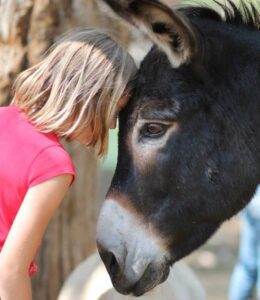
{"points": [[168, 29]]}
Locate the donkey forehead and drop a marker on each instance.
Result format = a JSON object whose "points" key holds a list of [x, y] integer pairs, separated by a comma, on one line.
{"points": [[158, 80], [156, 71], [165, 109]]}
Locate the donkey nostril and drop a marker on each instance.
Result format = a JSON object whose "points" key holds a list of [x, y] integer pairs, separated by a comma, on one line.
{"points": [[110, 262], [114, 266]]}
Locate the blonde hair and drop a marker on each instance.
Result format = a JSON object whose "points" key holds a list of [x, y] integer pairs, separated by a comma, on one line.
{"points": [[78, 84]]}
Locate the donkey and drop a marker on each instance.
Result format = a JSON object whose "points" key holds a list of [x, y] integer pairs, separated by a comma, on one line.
{"points": [[189, 139]]}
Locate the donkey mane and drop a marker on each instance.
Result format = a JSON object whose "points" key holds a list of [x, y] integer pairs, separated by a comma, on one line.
{"points": [[246, 14]]}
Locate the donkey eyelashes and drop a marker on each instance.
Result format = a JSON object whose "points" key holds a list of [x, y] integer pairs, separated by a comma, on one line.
{"points": [[153, 130], [156, 132]]}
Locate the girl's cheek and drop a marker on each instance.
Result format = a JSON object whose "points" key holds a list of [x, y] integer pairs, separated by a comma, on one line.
{"points": [[113, 123]]}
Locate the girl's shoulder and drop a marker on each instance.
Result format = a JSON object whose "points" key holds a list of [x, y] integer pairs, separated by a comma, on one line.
{"points": [[18, 136], [11, 115], [23, 131], [8, 111]]}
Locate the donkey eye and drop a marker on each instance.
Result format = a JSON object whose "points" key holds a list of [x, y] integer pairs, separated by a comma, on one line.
{"points": [[153, 130]]}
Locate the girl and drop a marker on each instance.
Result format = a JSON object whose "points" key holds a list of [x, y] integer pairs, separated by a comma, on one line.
{"points": [[75, 93]]}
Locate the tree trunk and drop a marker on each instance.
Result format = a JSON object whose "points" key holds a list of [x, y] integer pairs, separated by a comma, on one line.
{"points": [[27, 29], [13, 41]]}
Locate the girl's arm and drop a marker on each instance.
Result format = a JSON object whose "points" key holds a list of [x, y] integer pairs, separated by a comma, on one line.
{"points": [[39, 205]]}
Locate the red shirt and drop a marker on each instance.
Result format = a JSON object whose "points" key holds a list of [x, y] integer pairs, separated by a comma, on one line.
{"points": [[27, 158]]}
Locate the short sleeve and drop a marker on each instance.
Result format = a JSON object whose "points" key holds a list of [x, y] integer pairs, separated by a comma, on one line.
{"points": [[50, 162]]}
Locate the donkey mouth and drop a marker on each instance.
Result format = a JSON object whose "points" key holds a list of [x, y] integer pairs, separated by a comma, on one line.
{"points": [[135, 257], [150, 279], [145, 285]]}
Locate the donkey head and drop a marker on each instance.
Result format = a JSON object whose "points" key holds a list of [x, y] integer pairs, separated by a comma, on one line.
{"points": [[188, 150]]}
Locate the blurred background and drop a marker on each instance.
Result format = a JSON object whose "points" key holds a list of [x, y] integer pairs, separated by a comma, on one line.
{"points": [[27, 29]]}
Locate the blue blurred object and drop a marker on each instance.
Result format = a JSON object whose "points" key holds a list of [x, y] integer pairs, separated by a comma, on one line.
{"points": [[246, 274]]}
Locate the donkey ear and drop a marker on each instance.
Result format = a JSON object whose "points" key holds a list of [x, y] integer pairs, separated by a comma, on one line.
{"points": [[166, 28]]}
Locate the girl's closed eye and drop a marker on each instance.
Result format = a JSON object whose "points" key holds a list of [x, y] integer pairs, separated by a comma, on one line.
{"points": [[120, 105]]}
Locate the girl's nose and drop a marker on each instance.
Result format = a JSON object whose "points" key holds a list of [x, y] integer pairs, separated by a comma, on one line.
{"points": [[113, 124]]}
